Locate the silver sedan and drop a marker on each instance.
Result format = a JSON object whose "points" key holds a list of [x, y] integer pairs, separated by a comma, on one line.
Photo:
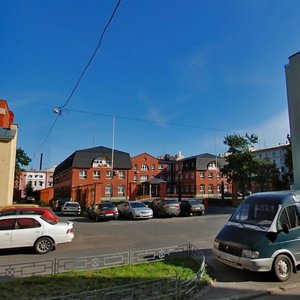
{"points": [[135, 210]]}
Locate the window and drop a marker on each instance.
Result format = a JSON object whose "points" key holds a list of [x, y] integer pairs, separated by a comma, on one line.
{"points": [[290, 217], [121, 174], [24, 223], [169, 168], [108, 190], [135, 167], [108, 174], [210, 188], [121, 190], [187, 175], [192, 175], [192, 188], [7, 224], [210, 175], [144, 178], [135, 178], [153, 167], [96, 174], [160, 167], [202, 188], [186, 188], [82, 174], [144, 167], [202, 175], [218, 175]]}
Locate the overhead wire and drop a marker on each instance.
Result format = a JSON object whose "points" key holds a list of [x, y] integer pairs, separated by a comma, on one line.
{"points": [[58, 110]]}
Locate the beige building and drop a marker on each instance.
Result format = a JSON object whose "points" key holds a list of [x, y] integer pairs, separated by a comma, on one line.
{"points": [[8, 146]]}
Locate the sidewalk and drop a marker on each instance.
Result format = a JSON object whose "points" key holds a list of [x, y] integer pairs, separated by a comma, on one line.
{"points": [[238, 291]]}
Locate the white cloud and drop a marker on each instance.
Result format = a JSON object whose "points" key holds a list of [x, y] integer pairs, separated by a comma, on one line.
{"points": [[272, 131]]}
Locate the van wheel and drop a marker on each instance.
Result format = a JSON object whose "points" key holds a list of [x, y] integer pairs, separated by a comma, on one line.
{"points": [[43, 245], [282, 268]]}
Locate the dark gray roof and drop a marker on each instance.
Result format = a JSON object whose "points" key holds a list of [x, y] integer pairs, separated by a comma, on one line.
{"points": [[84, 159], [155, 180], [202, 160]]}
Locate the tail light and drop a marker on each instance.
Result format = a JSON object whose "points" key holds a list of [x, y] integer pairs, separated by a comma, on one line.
{"points": [[70, 230]]}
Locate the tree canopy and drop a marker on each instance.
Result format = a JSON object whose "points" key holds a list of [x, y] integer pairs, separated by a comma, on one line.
{"points": [[243, 168], [22, 159]]}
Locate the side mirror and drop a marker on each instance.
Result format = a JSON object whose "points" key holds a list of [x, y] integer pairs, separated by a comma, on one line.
{"points": [[285, 228]]}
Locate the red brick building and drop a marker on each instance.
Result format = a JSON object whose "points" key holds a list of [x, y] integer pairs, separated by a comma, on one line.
{"points": [[200, 176], [91, 175], [144, 177]]}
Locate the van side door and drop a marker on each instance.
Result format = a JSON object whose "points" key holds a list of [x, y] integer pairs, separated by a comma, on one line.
{"points": [[290, 241]]}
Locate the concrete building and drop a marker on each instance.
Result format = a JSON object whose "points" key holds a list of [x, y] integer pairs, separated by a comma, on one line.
{"points": [[40, 180], [275, 155], [8, 148], [292, 73]]}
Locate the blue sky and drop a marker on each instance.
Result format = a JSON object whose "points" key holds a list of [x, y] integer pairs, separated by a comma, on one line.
{"points": [[177, 75]]}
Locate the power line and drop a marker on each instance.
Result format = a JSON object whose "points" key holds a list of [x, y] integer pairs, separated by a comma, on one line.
{"points": [[58, 110], [146, 120], [92, 57]]}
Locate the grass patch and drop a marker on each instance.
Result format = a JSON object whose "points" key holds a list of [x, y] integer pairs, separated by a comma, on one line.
{"points": [[39, 287]]}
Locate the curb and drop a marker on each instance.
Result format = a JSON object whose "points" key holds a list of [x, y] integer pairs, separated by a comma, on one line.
{"points": [[246, 296]]}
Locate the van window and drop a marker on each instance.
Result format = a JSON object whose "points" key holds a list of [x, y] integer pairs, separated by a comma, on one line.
{"points": [[290, 217]]}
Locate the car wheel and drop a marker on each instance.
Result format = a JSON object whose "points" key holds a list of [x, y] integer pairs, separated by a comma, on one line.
{"points": [[43, 245], [131, 216], [159, 214], [282, 268], [200, 213]]}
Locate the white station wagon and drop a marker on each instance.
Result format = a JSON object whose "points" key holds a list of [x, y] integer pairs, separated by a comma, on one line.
{"points": [[18, 231]]}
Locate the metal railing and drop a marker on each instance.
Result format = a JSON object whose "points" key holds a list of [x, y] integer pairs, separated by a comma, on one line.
{"points": [[165, 288]]}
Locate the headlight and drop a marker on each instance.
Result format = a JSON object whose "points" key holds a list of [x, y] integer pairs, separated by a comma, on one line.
{"points": [[250, 254], [216, 245]]}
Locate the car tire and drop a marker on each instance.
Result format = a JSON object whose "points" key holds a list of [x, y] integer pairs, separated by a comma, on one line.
{"points": [[200, 213], [131, 216], [97, 219], [282, 268], [159, 214], [43, 245]]}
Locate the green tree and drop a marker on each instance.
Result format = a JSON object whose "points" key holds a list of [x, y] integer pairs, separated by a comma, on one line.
{"points": [[29, 191], [240, 162], [22, 159], [265, 173]]}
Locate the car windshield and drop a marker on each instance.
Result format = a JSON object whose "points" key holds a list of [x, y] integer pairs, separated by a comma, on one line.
{"points": [[196, 202], [72, 204], [171, 201], [106, 206], [137, 204], [256, 213], [49, 221]]}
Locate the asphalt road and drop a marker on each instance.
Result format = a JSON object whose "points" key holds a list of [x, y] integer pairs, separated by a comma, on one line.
{"points": [[95, 238]]}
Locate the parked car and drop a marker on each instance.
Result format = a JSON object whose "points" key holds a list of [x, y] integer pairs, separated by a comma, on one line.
{"points": [[102, 211], [58, 204], [192, 207], [30, 199], [42, 234], [135, 210], [71, 208], [165, 207], [29, 210]]}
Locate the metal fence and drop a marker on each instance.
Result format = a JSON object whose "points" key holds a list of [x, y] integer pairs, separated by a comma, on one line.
{"points": [[166, 288]]}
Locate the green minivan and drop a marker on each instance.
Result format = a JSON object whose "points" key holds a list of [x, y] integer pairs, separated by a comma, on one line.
{"points": [[263, 234]]}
